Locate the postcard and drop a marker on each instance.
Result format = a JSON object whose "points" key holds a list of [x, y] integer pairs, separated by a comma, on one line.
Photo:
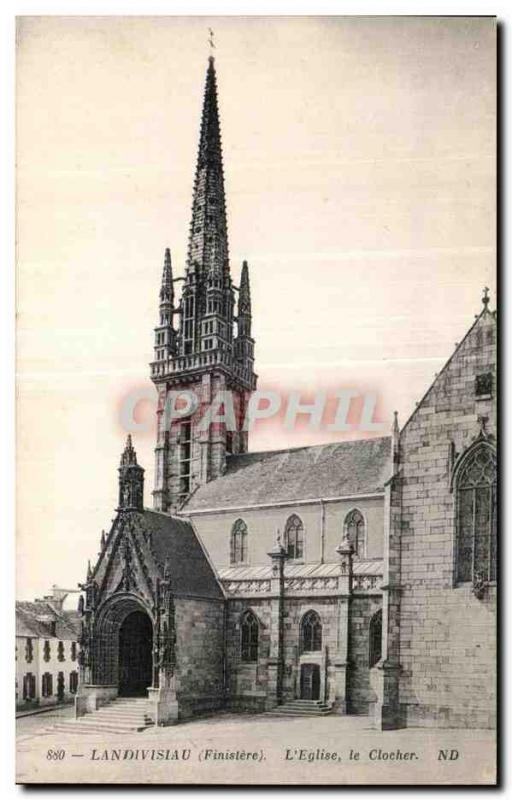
{"points": [[256, 400]]}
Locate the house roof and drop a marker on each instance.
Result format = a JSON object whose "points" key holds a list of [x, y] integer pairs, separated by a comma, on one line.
{"points": [[34, 618], [175, 541], [304, 473]]}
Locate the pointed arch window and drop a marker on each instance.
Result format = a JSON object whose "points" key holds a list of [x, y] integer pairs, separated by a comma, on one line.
{"points": [[355, 530], [294, 537], [310, 632], [239, 542], [476, 505], [375, 639], [250, 637]]}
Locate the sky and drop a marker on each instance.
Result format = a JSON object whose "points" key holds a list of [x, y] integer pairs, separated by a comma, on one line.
{"points": [[359, 159]]}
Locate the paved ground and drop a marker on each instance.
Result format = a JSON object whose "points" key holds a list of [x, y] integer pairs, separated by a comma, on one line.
{"points": [[254, 749]]}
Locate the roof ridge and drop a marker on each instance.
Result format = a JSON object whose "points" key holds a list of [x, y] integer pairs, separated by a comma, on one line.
{"points": [[307, 447]]}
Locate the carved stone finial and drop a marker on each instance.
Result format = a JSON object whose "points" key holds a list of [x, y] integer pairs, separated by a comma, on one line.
{"points": [[89, 570], [278, 551], [485, 298]]}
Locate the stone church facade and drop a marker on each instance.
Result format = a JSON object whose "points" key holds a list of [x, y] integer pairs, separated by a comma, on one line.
{"points": [[352, 578]]}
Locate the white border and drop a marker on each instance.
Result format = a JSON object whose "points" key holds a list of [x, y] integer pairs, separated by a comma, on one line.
{"points": [[8, 11]]}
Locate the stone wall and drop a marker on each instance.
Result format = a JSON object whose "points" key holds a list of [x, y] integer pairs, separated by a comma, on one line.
{"points": [[359, 692], [447, 635], [199, 655], [323, 529], [247, 684], [250, 686]]}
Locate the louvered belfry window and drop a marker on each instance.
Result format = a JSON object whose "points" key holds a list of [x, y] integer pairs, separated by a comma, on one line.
{"points": [[476, 516]]}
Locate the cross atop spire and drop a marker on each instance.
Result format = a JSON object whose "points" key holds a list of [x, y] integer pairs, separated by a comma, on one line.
{"points": [[485, 298]]}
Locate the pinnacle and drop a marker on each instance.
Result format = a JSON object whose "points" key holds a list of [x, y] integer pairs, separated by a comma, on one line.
{"points": [[129, 456]]}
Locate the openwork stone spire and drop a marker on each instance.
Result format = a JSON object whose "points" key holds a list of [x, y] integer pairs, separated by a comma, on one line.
{"points": [[208, 242], [167, 289], [131, 480]]}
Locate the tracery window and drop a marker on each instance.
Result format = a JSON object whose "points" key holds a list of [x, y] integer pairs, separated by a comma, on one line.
{"points": [[239, 542], [476, 516], [355, 531], [294, 537], [375, 639], [250, 637], [310, 632]]}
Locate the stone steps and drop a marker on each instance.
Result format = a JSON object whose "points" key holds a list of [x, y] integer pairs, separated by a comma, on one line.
{"points": [[125, 715], [303, 708]]}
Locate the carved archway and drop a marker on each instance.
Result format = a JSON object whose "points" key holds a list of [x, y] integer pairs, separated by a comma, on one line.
{"points": [[110, 618]]}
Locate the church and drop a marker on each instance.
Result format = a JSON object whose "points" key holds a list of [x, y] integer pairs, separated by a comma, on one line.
{"points": [[356, 577]]}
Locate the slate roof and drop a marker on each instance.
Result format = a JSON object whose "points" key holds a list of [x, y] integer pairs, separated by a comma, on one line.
{"points": [[34, 618], [305, 473], [373, 567], [174, 540]]}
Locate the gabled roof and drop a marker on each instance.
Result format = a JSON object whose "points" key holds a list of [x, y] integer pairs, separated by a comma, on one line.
{"points": [[341, 469], [34, 618], [485, 316], [174, 541]]}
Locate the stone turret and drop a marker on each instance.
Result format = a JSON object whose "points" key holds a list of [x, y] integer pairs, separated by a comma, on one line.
{"points": [[131, 480]]}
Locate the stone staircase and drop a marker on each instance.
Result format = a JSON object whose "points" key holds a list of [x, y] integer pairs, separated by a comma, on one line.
{"points": [[124, 715], [303, 708]]}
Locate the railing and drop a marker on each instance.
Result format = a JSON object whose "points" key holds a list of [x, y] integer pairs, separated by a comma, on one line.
{"points": [[170, 366]]}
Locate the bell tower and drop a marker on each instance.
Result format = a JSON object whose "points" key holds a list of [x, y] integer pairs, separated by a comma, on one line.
{"points": [[209, 351]]}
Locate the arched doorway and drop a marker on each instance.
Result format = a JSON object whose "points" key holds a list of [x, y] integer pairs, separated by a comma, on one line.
{"points": [[135, 655]]}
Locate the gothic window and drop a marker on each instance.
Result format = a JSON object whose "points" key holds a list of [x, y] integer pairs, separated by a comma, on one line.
{"points": [[375, 637], [355, 530], [239, 542], [310, 632], [29, 686], [60, 652], [73, 651], [29, 651], [294, 537], [249, 638], [476, 516], [47, 684], [73, 681], [46, 650]]}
